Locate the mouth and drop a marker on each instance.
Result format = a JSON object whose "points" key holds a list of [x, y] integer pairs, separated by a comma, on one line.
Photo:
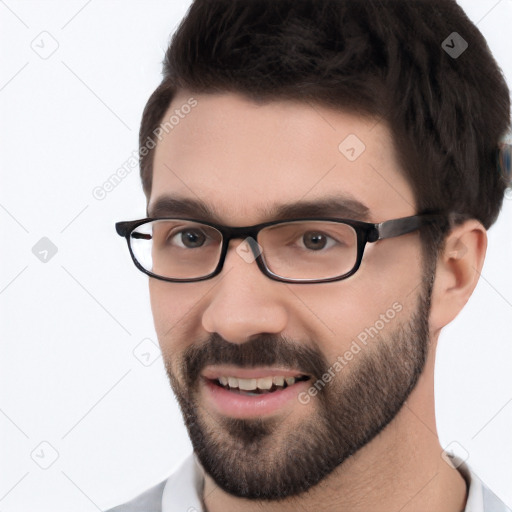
{"points": [[255, 387], [248, 393]]}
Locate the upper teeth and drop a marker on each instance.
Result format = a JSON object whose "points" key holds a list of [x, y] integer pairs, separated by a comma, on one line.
{"points": [[252, 384]]}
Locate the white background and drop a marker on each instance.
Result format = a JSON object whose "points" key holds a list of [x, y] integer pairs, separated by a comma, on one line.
{"points": [[71, 327]]}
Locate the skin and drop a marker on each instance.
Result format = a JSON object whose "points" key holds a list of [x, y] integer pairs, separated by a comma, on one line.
{"points": [[240, 158]]}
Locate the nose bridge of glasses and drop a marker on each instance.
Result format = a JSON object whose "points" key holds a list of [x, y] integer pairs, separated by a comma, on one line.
{"points": [[249, 252]]}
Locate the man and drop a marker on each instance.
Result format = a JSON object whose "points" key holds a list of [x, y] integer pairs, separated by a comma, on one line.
{"points": [[320, 177]]}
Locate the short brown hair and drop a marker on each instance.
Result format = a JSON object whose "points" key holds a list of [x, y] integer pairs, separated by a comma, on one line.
{"points": [[381, 58]]}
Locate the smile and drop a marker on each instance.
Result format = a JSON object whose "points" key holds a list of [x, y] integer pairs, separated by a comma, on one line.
{"points": [[258, 386], [251, 392]]}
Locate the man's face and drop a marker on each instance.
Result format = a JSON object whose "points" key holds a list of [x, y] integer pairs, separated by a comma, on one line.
{"points": [[360, 342]]}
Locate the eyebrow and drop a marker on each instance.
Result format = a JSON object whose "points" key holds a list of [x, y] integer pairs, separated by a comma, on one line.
{"points": [[331, 206]]}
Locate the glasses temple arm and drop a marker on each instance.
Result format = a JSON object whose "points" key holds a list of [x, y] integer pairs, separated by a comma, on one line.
{"points": [[397, 227]]}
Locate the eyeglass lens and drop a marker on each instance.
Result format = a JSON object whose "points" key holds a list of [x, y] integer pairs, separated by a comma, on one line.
{"points": [[181, 249]]}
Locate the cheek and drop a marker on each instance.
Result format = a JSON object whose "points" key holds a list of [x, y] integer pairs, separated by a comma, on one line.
{"points": [[174, 307], [370, 304]]}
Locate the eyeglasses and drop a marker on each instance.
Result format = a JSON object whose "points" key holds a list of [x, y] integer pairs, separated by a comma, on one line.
{"points": [[291, 251]]}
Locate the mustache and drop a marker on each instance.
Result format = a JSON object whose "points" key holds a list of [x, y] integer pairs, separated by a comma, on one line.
{"points": [[260, 350]]}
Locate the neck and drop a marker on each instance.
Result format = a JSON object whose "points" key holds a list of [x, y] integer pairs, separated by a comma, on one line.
{"points": [[400, 469]]}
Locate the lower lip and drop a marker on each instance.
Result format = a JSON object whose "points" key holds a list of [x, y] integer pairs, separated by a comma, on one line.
{"points": [[229, 403]]}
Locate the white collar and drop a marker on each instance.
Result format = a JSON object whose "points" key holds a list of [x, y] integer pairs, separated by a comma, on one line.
{"points": [[184, 488], [475, 499]]}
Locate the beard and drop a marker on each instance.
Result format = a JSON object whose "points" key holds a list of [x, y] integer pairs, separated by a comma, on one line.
{"points": [[273, 459]]}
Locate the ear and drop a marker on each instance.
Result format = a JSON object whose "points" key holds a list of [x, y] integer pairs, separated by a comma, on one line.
{"points": [[458, 268]]}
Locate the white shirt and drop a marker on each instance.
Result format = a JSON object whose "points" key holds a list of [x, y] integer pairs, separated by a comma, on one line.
{"points": [[182, 492]]}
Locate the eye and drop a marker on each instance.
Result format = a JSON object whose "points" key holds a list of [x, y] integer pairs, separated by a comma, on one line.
{"points": [[189, 238], [316, 240]]}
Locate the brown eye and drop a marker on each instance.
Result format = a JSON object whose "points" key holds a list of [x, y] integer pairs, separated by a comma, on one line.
{"points": [[190, 238], [314, 240]]}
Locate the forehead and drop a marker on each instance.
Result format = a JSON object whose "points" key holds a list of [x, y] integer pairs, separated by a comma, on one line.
{"points": [[243, 160]]}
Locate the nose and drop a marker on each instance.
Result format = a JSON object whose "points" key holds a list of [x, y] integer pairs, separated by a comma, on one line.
{"points": [[244, 302]]}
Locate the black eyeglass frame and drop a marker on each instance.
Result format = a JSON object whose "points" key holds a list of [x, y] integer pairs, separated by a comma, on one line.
{"points": [[366, 232]]}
